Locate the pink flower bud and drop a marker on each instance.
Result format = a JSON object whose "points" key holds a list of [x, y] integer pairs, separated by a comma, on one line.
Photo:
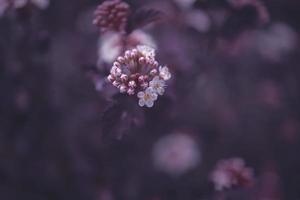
{"points": [[132, 84], [141, 78], [123, 88], [117, 64], [121, 59], [130, 91], [124, 77], [116, 83], [110, 78], [142, 60], [153, 72]]}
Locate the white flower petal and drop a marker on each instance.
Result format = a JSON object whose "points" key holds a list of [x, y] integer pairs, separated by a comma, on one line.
{"points": [[158, 85], [141, 102], [149, 103], [149, 90], [164, 73], [147, 51], [151, 84], [140, 95], [154, 96], [156, 78], [160, 91], [162, 83]]}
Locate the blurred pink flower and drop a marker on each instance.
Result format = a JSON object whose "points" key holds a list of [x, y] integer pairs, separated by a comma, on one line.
{"points": [[231, 172], [176, 153], [16, 4], [199, 20], [276, 42], [112, 16]]}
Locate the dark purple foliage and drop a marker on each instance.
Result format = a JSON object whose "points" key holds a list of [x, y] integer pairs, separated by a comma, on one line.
{"points": [[67, 133]]}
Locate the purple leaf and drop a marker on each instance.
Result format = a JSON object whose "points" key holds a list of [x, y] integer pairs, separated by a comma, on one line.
{"points": [[143, 17]]}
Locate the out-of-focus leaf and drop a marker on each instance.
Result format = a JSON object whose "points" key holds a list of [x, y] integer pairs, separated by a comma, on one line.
{"points": [[143, 17], [239, 21], [89, 68], [122, 116]]}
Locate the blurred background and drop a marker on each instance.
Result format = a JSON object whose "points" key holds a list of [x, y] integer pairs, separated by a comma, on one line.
{"points": [[234, 93]]}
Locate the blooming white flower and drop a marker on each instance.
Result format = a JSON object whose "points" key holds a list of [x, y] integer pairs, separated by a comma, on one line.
{"points": [[164, 73], [147, 97], [158, 85], [147, 51]]}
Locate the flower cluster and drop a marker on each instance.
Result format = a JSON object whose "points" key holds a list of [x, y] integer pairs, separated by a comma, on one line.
{"points": [[16, 4], [137, 72], [231, 172], [112, 16]]}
